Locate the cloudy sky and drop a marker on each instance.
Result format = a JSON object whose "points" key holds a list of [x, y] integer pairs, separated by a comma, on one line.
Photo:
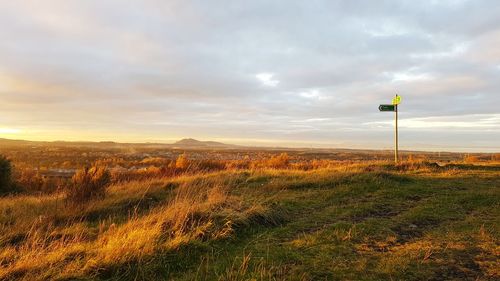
{"points": [[291, 73]]}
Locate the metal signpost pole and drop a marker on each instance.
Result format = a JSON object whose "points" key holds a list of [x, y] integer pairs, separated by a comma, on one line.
{"points": [[393, 108], [396, 134]]}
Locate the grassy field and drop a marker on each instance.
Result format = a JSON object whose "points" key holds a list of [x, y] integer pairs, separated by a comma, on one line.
{"points": [[370, 221]]}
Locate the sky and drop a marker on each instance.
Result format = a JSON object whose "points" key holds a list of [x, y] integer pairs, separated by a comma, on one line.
{"points": [[271, 73]]}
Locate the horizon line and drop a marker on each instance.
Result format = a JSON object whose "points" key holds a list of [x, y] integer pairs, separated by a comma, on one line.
{"points": [[263, 145]]}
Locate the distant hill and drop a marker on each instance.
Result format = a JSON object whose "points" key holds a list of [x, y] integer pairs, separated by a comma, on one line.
{"points": [[14, 142], [184, 143], [196, 143]]}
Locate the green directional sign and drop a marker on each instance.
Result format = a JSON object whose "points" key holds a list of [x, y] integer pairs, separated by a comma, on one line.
{"points": [[386, 107]]}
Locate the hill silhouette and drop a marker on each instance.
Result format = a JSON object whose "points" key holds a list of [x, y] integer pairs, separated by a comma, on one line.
{"points": [[189, 142]]}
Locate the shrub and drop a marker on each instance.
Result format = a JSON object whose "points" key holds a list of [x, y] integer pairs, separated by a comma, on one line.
{"points": [[5, 175], [238, 164], [31, 181], [495, 157], [471, 159], [182, 162], [210, 165], [279, 162], [88, 184]]}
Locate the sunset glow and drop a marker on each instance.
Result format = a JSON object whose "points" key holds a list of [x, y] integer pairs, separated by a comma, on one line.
{"points": [[249, 140], [151, 71]]}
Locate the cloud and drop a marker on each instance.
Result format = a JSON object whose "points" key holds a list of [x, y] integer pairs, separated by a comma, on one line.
{"points": [[267, 79], [470, 122], [312, 94], [408, 76], [162, 69]]}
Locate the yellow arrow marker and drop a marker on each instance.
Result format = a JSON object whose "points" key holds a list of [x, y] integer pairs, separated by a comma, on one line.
{"points": [[396, 100]]}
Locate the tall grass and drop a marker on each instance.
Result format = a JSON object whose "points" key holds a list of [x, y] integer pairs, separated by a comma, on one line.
{"points": [[139, 222], [41, 233]]}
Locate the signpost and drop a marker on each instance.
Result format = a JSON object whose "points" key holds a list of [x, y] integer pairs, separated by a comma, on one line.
{"points": [[394, 108], [386, 107]]}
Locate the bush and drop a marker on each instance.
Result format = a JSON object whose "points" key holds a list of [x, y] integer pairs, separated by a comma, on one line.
{"points": [[471, 159], [495, 157], [88, 184], [182, 162], [5, 175], [209, 165], [279, 162], [31, 181], [238, 164]]}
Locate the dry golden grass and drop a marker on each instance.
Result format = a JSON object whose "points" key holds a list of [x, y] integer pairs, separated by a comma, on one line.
{"points": [[342, 220], [39, 233]]}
